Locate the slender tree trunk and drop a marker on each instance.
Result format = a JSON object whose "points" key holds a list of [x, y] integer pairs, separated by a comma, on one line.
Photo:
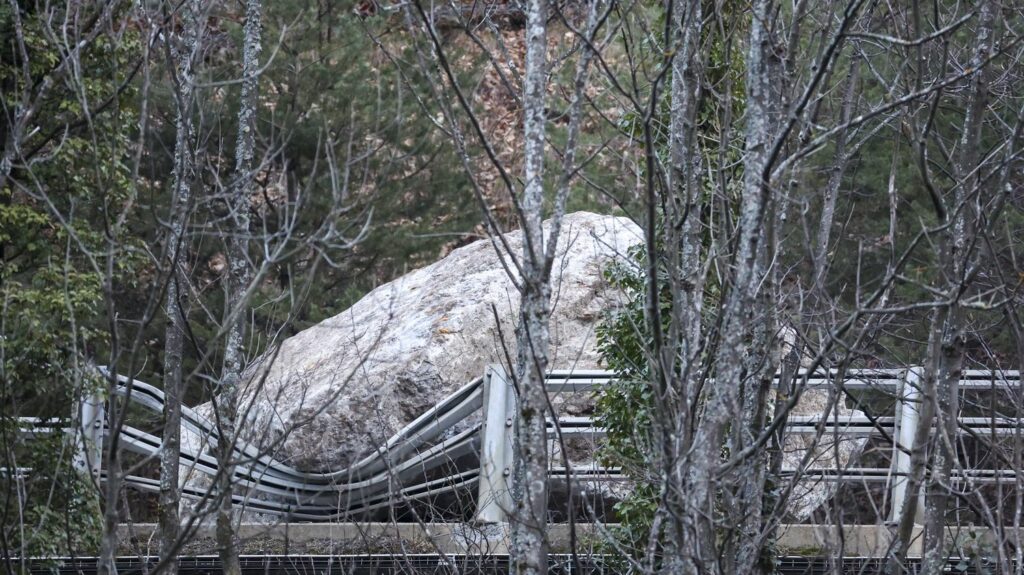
{"points": [[724, 400], [111, 489], [919, 451], [237, 285], [750, 477], [177, 285], [683, 228], [530, 519], [679, 359], [954, 258], [947, 407], [835, 179], [170, 492]]}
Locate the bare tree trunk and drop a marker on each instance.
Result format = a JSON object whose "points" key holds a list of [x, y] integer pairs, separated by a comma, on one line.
{"points": [[111, 489], [724, 400], [750, 477], [679, 360], [177, 285], [532, 337], [819, 258], [237, 285], [528, 550], [940, 389], [955, 254]]}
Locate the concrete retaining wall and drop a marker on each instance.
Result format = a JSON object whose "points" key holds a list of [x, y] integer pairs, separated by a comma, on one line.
{"points": [[358, 538]]}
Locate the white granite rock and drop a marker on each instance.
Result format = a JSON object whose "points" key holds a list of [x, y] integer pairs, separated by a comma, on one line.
{"points": [[346, 384], [343, 386]]}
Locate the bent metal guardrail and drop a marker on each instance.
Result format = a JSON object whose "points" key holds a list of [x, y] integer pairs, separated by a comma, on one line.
{"points": [[400, 470]]}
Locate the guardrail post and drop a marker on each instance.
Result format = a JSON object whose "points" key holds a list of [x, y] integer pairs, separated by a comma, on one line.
{"points": [[89, 420], [908, 405], [494, 500]]}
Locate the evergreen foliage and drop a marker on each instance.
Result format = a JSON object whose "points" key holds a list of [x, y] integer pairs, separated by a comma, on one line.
{"points": [[69, 183]]}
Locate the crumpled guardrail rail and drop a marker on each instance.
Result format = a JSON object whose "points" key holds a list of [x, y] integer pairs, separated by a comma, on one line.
{"points": [[398, 470]]}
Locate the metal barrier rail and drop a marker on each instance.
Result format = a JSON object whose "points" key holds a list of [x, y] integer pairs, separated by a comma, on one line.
{"points": [[399, 470], [494, 497]]}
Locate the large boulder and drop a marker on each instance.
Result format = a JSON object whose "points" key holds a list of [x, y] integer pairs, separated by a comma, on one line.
{"points": [[343, 386], [334, 393], [827, 452]]}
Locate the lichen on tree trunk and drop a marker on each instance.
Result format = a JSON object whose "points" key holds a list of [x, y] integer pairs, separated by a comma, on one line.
{"points": [[238, 280], [186, 54]]}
